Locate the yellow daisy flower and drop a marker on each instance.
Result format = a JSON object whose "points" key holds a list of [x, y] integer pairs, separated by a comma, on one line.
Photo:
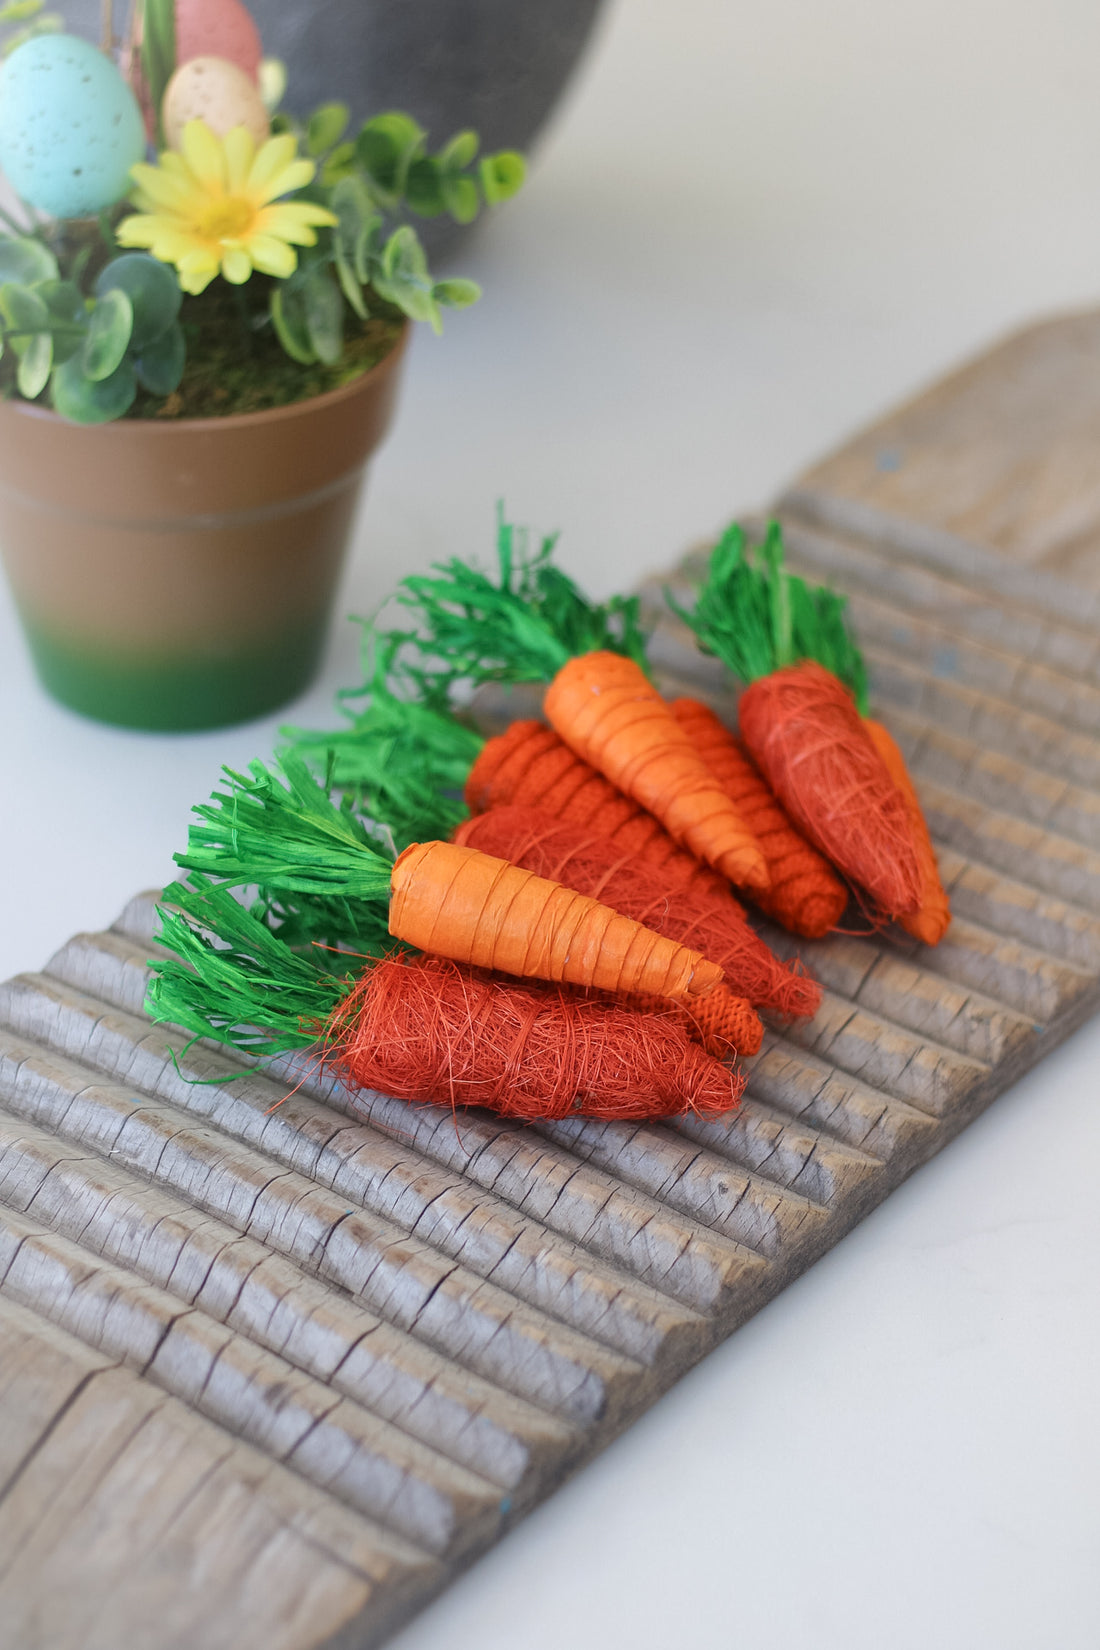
{"points": [[213, 207]]}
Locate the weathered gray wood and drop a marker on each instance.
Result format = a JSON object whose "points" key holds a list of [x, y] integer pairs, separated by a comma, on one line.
{"points": [[275, 1358]]}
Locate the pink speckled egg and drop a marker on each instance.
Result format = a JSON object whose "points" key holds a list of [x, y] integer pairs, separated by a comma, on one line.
{"points": [[217, 91], [217, 28]]}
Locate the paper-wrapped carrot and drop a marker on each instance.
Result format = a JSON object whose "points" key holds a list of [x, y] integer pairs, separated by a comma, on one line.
{"points": [[288, 838], [423, 1028], [805, 894], [533, 625], [800, 716]]}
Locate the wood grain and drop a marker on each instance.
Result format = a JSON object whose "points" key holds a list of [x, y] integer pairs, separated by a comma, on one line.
{"points": [[276, 1360]]}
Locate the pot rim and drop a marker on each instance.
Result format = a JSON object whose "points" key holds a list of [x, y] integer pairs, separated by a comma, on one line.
{"points": [[228, 421]]}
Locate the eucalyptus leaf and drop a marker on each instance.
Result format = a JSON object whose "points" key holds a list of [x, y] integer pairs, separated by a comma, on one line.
{"points": [[288, 317], [327, 126], [339, 164], [402, 277], [24, 259], [63, 299], [87, 401], [160, 365], [23, 312], [424, 187], [456, 294], [17, 11], [385, 148], [109, 330], [35, 366], [153, 291], [461, 198], [324, 317], [502, 175], [349, 286], [459, 153]]}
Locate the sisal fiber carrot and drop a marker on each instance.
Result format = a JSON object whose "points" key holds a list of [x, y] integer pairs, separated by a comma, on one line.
{"points": [[422, 1028], [800, 714], [428, 1029], [286, 837], [801, 727], [612, 717], [708, 920], [805, 894], [930, 923], [529, 764]]}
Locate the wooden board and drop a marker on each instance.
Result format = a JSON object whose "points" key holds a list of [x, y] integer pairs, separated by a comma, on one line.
{"points": [[269, 1377]]}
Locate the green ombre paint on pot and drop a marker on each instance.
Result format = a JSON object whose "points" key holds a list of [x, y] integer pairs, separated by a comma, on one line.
{"points": [[162, 693]]}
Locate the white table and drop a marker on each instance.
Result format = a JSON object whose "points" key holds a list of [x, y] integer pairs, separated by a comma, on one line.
{"points": [[748, 233]]}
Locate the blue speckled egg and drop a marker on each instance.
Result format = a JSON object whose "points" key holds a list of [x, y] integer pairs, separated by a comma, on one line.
{"points": [[70, 127]]}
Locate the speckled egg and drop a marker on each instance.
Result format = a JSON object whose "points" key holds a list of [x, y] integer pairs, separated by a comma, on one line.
{"points": [[70, 127], [217, 28], [214, 90]]}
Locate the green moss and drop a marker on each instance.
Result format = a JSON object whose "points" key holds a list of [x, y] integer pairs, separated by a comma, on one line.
{"points": [[235, 365]]}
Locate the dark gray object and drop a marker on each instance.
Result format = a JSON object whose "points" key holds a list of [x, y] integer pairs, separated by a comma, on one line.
{"points": [[498, 66]]}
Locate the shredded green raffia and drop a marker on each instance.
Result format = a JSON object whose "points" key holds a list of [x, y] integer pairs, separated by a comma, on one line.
{"points": [[400, 760], [235, 980], [522, 628], [756, 617], [289, 839]]}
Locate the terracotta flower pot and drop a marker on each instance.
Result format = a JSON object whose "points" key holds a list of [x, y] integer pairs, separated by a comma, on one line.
{"points": [[180, 574]]}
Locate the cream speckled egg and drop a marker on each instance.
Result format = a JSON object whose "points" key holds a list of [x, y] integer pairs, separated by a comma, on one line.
{"points": [[70, 127], [217, 91], [217, 28]]}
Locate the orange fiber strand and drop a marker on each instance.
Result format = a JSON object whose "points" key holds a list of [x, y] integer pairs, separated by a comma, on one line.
{"points": [[709, 920], [802, 729], [426, 1029], [930, 923], [529, 765], [470, 906], [805, 894], [609, 714]]}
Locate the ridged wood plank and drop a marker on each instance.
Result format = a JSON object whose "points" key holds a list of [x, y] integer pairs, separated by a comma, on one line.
{"points": [[276, 1360]]}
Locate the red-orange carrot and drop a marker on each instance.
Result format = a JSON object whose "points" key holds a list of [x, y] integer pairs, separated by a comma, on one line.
{"points": [[709, 920], [803, 731], [422, 1028], [528, 764], [607, 712], [805, 894], [930, 923], [474, 908]]}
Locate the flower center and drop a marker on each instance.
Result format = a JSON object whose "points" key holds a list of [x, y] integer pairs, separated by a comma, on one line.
{"points": [[227, 220]]}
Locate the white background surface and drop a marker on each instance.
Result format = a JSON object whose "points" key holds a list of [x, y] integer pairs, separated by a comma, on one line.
{"points": [[751, 229]]}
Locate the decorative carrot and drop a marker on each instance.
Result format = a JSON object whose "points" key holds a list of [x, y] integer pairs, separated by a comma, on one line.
{"points": [[800, 715], [713, 925], [805, 894], [535, 626], [614, 719], [454, 901], [425, 1029], [930, 923], [530, 764], [530, 761]]}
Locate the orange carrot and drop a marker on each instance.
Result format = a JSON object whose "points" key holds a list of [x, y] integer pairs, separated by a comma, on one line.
{"points": [[425, 1029], [609, 714], [930, 923], [471, 907], [528, 764], [806, 896], [710, 921], [802, 729]]}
